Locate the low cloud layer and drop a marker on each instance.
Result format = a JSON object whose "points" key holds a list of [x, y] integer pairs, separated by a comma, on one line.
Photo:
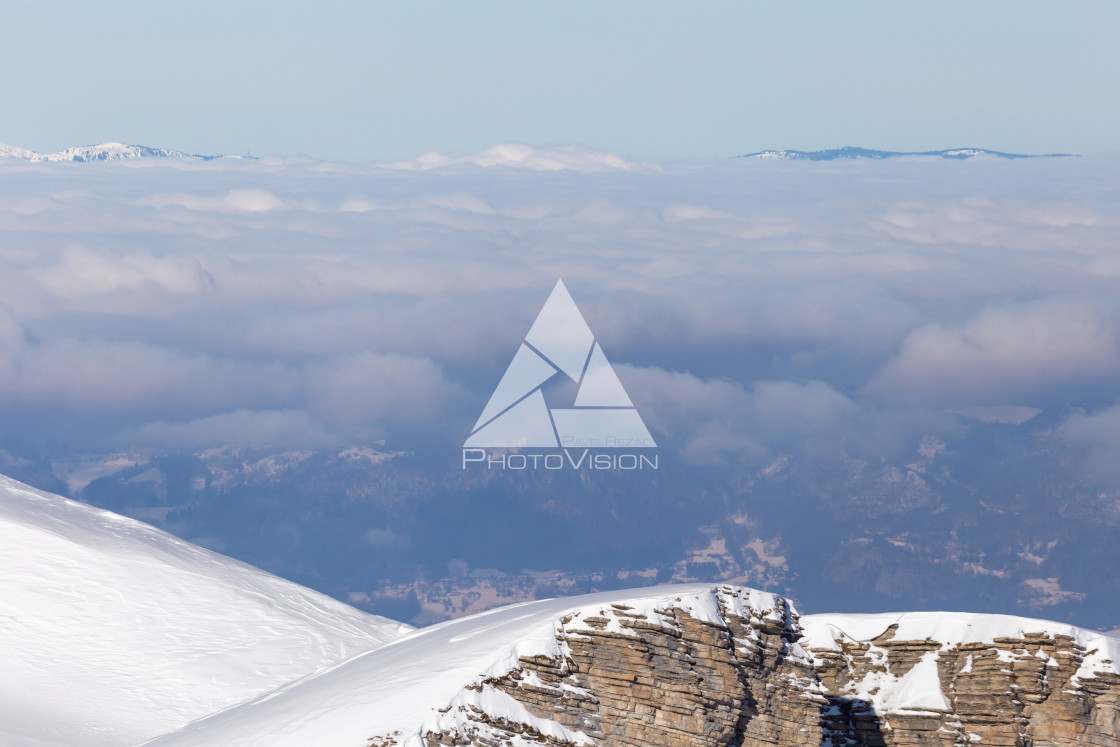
{"points": [[1006, 352], [757, 308], [556, 158]]}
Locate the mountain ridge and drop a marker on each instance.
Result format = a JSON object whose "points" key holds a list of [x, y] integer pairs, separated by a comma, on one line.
{"points": [[853, 152], [110, 151], [113, 631], [697, 665], [501, 154]]}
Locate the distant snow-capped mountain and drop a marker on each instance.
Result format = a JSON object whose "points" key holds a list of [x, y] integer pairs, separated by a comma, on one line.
{"points": [[102, 152], [833, 154]]}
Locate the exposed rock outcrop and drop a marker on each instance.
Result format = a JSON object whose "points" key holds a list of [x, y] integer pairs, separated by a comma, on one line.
{"points": [[688, 675], [955, 679], [740, 671], [698, 666]]}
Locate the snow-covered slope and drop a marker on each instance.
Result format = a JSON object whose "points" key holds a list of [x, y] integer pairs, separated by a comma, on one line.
{"points": [[112, 632], [12, 151], [102, 152], [444, 679], [417, 683]]}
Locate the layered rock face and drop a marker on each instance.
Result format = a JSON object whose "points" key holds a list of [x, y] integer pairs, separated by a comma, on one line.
{"points": [[741, 671], [731, 673], [952, 679], [697, 666]]}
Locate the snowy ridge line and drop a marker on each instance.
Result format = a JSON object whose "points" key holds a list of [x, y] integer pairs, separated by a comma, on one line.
{"points": [[455, 678], [714, 606], [113, 632], [101, 152], [430, 680], [851, 152], [69, 519], [554, 158]]}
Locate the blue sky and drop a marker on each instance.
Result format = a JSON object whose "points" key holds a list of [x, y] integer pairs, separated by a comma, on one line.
{"points": [[373, 81]]}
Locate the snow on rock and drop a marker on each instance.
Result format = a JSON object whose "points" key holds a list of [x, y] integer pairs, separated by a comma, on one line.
{"points": [[428, 681], [916, 691], [919, 689], [113, 632], [951, 629]]}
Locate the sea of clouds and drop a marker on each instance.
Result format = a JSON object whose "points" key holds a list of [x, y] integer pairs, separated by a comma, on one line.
{"points": [[752, 308]]}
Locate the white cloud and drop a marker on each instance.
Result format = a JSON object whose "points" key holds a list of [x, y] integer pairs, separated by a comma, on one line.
{"points": [[357, 205], [385, 539], [11, 333], [1003, 414], [234, 201], [363, 296], [368, 388], [81, 273], [460, 201], [716, 419], [133, 375], [1004, 352], [1098, 435], [515, 155], [258, 429]]}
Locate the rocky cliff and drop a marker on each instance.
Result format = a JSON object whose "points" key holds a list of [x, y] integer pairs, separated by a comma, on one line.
{"points": [[955, 679], [745, 672], [699, 666], [721, 669]]}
